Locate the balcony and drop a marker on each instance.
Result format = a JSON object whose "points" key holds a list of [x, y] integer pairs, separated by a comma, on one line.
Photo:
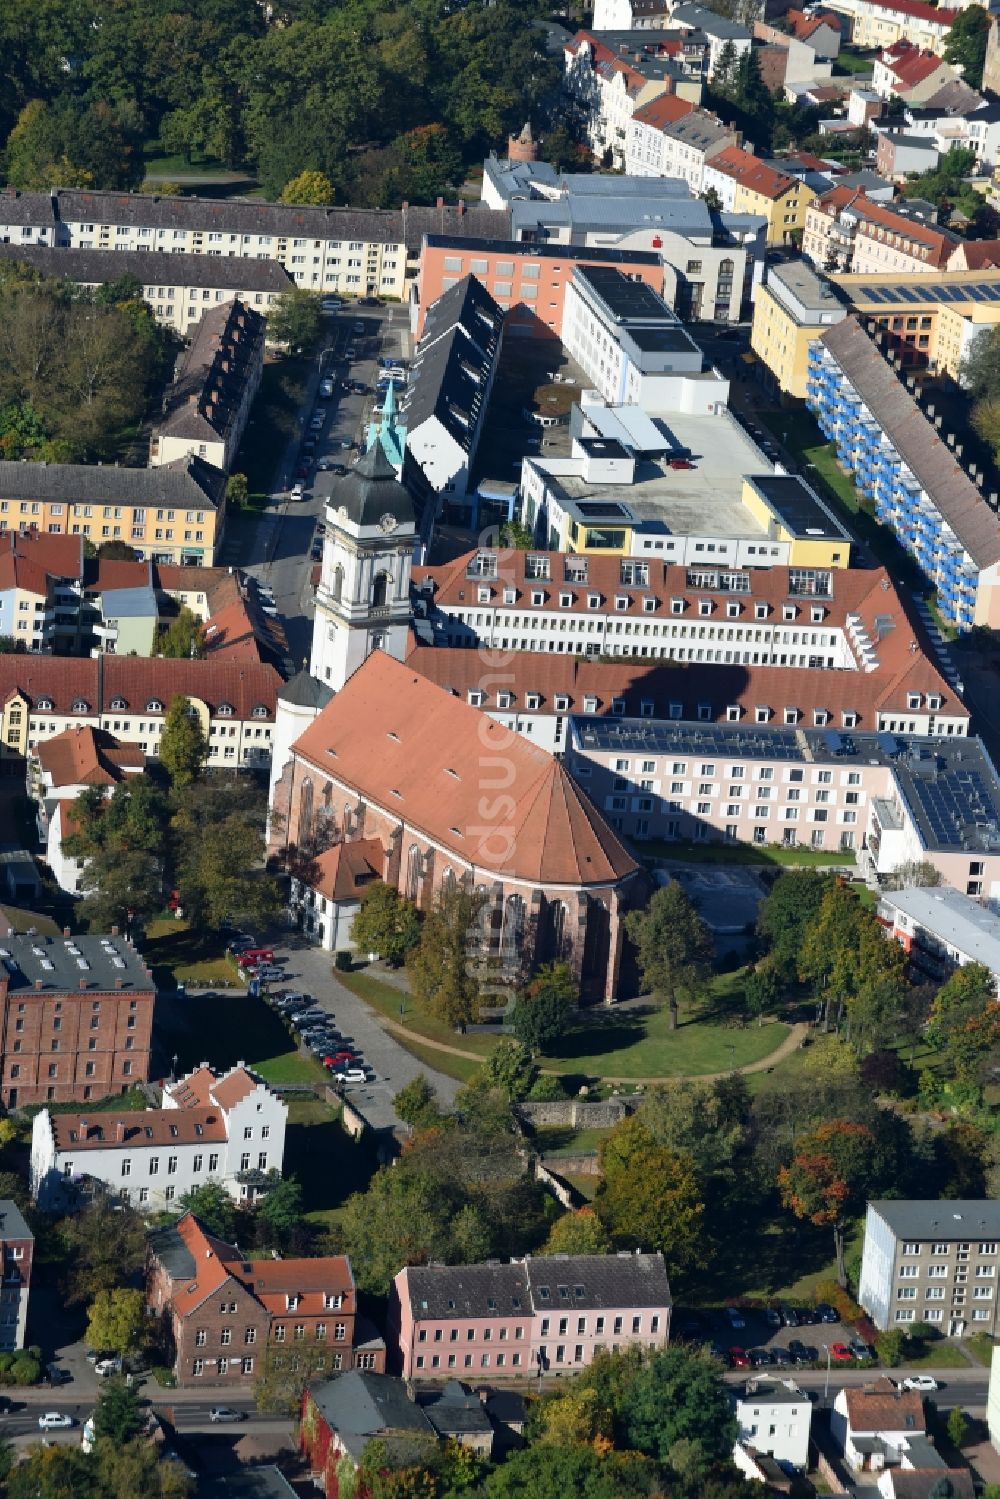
{"points": [[259, 1179]]}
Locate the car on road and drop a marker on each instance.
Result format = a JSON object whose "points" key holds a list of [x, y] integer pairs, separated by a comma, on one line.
{"points": [[360, 388], [369, 302], [738, 1358], [840, 1353], [736, 1317], [226, 1413], [826, 1312], [55, 1421], [317, 421], [297, 491], [326, 388], [324, 465], [923, 1383], [339, 469]]}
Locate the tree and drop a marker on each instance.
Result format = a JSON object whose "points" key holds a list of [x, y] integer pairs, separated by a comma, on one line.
{"points": [[509, 1068], [280, 1213], [397, 1221], [116, 551], [958, 1426], [237, 491], [677, 1411], [547, 1471], [704, 1122], [674, 948], [116, 1321], [965, 1020], [544, 1012], [875, 1007], [444, 965], [965, 44], [784, 916], [560, 149], [121, 837], [517, 536], [829, 953], [761, 991], [295, 319], [385, 923], [648, 1197], [829, 1177], [579, 1232], [183, 746], [212, 1206], [914, 872], [218, 848], [118, 1413], [104, 1245], [416, 1103], [308, 187], [184, 637], [283, 1373]]}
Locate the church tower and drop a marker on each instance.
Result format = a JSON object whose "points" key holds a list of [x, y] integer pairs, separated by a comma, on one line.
{"points": [[363, 598]]}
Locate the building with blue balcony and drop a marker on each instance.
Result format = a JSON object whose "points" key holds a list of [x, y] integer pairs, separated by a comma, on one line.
{"points": [[914, 481]]}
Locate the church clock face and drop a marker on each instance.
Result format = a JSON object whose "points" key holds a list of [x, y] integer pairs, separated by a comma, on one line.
{"points": [[387, 523]]}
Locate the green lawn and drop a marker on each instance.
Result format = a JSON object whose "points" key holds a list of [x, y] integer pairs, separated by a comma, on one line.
{"points": [[390, 1001], [554, 1140], [937, 1356], [851, 62], [315, 1136], [21, 920], [981, 1346], [687, 852], [176, 953], [230, 1027]]}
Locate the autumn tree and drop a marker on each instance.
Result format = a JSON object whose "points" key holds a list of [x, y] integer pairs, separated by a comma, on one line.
{"points": [[416, 1103], [295, 319], [116, 1321], [579, 1232], [706, 1122], [385, 923], [785, 914], [674, 948], [104, 1245], [183, 745], [121, 837], [965, 1020], [829, 1177], [444, 966], [184, 637], [829, 952], [544, 1012], [648, 1197], [308, 187], [877, 1002]]}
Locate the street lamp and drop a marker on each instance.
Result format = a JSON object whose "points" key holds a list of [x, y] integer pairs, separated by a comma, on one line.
{"points": [[826, 1385], [330, 349]]}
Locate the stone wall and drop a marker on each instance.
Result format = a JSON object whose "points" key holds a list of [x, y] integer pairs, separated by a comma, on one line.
{"points": [[577, 1113], [567, 1164]]}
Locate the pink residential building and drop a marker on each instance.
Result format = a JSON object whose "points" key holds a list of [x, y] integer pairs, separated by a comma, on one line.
{"points": [[537, 1315]]}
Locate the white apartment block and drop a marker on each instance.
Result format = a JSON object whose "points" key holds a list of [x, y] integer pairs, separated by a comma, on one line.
{"points": [[932, 1262], [227, 1128], [628, 341], [774, 1418], [677, 148]]}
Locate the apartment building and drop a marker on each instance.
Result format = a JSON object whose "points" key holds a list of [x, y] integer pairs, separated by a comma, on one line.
{"points": [[745, 184], [900, 461], [128, 697], [607, 78], [222, 1314], [911, 73], [626, 339], [879, 23], [941, 930], [644, 143], [932, 1262], [41, 575], [526, 1318], [76, 1018], [178, 294], [846, 231], [675, 142], [174, 513], [17, 1247], [226, 1128], [206, 409], [355, 252], [721, 31], [891, 798], [528, 281], [794, 306]]}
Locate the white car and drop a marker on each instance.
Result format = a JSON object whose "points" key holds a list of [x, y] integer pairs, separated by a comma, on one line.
{"points": [[331, 304], [352, 1075], [326, 389], [925, 1383], [54, 1421], [297, 492], [226, 1413], [105, 1367]]}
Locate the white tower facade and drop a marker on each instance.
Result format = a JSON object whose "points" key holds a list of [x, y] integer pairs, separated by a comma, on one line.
{"points": [[363, 598]]}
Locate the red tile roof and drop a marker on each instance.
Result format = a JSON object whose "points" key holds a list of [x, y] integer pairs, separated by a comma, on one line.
{"points": [[883, 1406], [978, 254], [917, 10], [153, 1127], [202, 1088], [913, 66], [342, 872], [751, 172], [59, 556], [139, 681], [419, 754], [663, 111], [85, 756]]}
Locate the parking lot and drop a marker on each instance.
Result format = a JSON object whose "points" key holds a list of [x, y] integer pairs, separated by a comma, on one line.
{"points": [[779, 1337]]}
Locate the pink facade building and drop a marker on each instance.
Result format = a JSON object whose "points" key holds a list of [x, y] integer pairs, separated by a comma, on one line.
{"points": [[537, 1315]]}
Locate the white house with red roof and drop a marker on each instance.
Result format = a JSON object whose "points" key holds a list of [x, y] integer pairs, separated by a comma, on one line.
{"points": [[329, 892], [227, 1128], [59, 771]]}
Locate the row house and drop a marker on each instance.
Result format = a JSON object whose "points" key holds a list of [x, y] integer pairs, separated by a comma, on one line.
{"points": [[890, 798], [355, 252], [76, 1018], [393, 758], [221, 1317], [226, 1128], [722, 32], [745, 184], [206, 409], [17, 1249], [937, 127], [879, 23], [900, 462], [178, 293], [129, 696], [914, 74], [846, 231], [174, 513], [606, 79], [527, 1318], [667, 141]]}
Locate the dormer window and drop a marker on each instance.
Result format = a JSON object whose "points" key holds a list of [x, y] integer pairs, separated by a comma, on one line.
{"points": [[537, 597], [510, 595], [533, 701], [292, 1302], [676, 710], [816, 615], [677, 606], [475, 697], [849, 720], [565, 601], [791, 715], [649, 605], [483, 594], [788, 611], [733, 713], [154, 705], [593, 600], [646, 708], [913, 699], [259, 711], [704, 607], [224, 710], [820, 718], [762, 715], [80, 705], [621, 601], [760, 611], [45, 705], [118, 705], [505, 700], [562, 703], [590, 705], [618, 706], [732, 611], [704, 711]]}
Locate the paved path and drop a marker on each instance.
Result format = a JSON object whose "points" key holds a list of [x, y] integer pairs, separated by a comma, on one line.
{"points": [[791, 1043]]}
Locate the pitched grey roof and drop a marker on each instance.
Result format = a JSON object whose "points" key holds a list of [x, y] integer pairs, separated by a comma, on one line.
{"points": [[237, 216], [94, 267], [961, 1218], [205, 398], [305, 691], [916, 440], [708, 22], [26, 208], [558, 1282], [187, 483], [12, 1224], [442, 1291], [698, 129], [455, 359], [372, 490], [360, 1405], [456, 1410]]}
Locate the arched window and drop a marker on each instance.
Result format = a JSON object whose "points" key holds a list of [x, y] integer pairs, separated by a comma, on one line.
{"points": [[81, 705], [414, 872], [380, 590], [154, 705], [725, 268], [557, 929], [338, 583], [118, 705], [513, 926], [448, 881], [225, 710]]}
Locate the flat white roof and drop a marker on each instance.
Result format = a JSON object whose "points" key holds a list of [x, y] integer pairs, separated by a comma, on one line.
{"points": [[955, 918], [629, 425]]}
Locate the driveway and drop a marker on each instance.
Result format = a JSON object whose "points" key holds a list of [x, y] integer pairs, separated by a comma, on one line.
{"points": [[309, 968]]}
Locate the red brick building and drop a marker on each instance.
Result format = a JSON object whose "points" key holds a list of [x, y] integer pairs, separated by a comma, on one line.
{"points": [[218, 1313], [17, 1246], [76, 1018]]}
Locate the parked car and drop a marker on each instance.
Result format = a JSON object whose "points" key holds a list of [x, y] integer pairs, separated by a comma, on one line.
{"points": [[736, 1317], [924, 1383], [339, 469], [105, 1367], [780, 1355], [826, 1313], [802, 1353], [681, 463], [297, 491], [326, 388], [317, 421], [789, 1316], [772, 1317], [369, 302], [298, 997], [331, 304], [55, 1421], [266, 972], [840, 1353], [860, 1350], [738, 1359], [226, 1413], [352, 1075], [759, 1357], [258, 955], [357, 327]]}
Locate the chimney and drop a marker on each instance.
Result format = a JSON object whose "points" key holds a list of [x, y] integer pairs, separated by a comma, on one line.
{"points": [[82, 984], [461, 208], [67, 932], [120, 1130], [439, 203], [119, 983], [114, 931], [39, 983], [938, 421]]}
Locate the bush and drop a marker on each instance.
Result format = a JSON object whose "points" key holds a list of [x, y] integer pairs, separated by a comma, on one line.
{"points": [[547, 1088], [344, 961], [164, 1376], [957, 1426], [25, 1370], [842, 1302], [889, 1346]]}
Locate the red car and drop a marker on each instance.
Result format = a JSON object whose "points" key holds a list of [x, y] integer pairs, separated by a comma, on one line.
{"points": [[338, 1059], [681, 463], [738, 1359], [841, 1353]]}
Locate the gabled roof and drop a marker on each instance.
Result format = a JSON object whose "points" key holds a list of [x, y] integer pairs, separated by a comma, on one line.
{"points": [[917, 10], [913, 66], [34, 555], [418, 753], [85, 756], [206, 397], [662, 111], [93, 268], [751, 172], [884, 1406], [360, 1405], [915, 439], [342, 872], [189, 483], [978, 254]]}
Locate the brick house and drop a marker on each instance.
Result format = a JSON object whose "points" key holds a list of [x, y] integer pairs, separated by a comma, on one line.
{"points": [[17, 1245], [219, 1313]]}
